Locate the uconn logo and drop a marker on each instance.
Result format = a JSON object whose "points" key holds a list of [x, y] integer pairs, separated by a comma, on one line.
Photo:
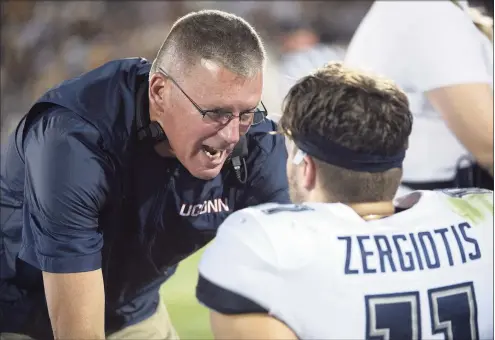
{"points": [[209, 206]]}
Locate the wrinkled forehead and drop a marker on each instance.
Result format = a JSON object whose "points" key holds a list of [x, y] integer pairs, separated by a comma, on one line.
{"points": [[212, 84]]}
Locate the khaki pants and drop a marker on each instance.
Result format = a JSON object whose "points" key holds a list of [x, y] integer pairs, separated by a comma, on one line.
{"points": [[156, 327]]}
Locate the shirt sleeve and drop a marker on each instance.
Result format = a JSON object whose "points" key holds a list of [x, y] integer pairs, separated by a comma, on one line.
{"points": [[65, 190], [444, 48], [267, 164], [237, 272]]}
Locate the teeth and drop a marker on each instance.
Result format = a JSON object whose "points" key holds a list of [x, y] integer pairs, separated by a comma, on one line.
{"points": [[215, 155]]}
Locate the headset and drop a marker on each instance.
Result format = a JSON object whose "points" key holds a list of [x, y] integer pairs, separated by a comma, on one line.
{"points": [[152, 131], [146, 129]]}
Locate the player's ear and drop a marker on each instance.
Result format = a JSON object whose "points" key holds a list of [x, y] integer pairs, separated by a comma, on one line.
{"points": [[309, 173]]}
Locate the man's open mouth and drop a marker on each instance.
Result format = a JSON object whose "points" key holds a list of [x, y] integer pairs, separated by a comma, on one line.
{"points": [[212, 153]]}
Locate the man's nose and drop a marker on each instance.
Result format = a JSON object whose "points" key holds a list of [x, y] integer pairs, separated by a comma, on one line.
{"points": [[230, 133]]}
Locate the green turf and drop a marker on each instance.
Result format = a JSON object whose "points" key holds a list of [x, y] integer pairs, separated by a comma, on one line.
{"points": [[188, 316]]}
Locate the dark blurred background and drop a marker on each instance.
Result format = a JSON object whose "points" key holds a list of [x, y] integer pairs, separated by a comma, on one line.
{"points": [[45, 42]]}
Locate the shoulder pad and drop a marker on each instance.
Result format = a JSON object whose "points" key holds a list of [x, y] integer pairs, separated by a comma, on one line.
{"points": [[461, 192], [285, 208]]}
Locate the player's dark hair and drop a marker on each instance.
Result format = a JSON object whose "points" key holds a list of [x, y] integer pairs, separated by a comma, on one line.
{"points": [[361, 112], [212, 35]]}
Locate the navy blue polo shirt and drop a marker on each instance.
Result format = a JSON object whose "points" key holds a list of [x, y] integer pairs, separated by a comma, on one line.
{"points": [[68, 206]]}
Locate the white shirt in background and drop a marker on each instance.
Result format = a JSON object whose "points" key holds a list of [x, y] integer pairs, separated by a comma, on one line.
{"points": [[424, 45], [293, 66]]}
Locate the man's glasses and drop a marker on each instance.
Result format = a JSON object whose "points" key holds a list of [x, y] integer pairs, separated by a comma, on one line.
{"points": [[246, 119]]}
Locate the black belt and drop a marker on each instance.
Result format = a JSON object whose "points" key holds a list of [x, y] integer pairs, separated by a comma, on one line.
{"points": [[429, 185]]}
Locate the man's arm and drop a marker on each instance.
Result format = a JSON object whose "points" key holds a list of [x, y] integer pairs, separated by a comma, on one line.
{"points": [[468, 111], [76, 304], [240, 284], [66, 186]]}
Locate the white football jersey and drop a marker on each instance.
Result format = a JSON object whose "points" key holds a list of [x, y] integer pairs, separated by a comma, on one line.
{"points": [[423, 273]]}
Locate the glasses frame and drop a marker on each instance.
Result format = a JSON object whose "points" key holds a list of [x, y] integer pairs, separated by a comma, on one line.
{"points": [[204, 113]]}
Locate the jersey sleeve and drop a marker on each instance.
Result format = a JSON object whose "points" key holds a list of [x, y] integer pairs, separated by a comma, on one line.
{"points": [[66, 187], [441, 50], [237, 272], [466, 192], [472, 204], [267, 162]]}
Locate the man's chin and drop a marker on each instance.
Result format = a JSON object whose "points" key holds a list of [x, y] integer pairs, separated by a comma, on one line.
{"points": [[206, 174]]}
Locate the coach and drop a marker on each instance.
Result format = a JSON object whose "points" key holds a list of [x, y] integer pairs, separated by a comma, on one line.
{"points": [[114, 177]]}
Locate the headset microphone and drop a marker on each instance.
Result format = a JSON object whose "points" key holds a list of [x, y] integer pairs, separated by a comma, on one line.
{"points": [[238, 156], [146, 129]]}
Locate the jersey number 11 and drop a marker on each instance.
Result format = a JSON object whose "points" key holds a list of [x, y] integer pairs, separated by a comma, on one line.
{"points": [[452, 311]]}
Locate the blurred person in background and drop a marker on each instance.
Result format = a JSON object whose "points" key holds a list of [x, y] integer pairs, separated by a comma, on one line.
{"points": [[441, 54], [45, 42], [345, 262], [302, 52], [115, 176]]}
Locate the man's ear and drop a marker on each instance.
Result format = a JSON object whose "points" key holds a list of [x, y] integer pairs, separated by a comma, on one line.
{"points": [[309, 173], [157, 86]]}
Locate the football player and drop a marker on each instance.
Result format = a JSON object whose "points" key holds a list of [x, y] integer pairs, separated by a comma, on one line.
{"points": [[347, 261]]}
